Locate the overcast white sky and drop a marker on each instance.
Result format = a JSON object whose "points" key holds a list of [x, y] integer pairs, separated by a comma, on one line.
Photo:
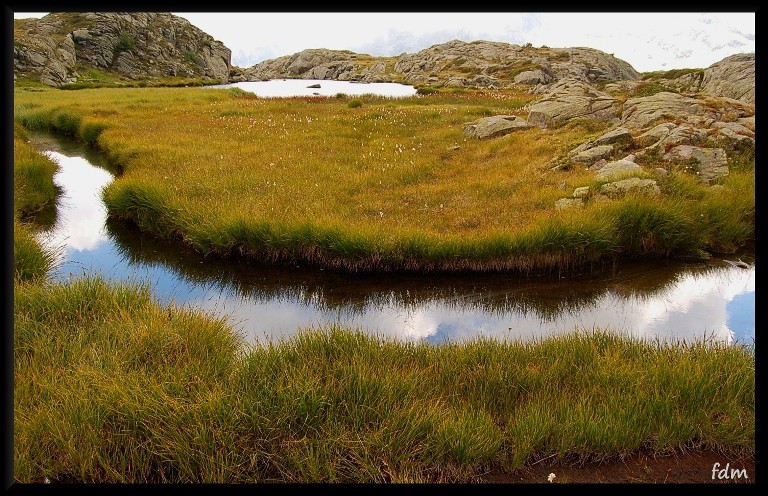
{"points": [[648, 41]]}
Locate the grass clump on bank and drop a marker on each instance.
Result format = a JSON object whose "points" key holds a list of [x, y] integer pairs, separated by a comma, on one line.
{"points": [[31, 262], [33, 189], [378, 187], [33, 186], [111, 387]]}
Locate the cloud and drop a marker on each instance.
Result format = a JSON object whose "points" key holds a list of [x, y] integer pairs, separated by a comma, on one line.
{"points": [[81, 214]]}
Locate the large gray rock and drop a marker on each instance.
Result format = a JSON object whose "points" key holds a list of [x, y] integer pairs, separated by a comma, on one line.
{"points": [[748, 122], [568, 203], [533, 77], [684, 134], [735, 127], [735, 139], [569, 99], [701, 112], [593, 154], [712, 162], [640, 113], [734, 134], [498, 125], [619, 136], [655, 134], [636, 185], [581, 192], [616, 170], [138, 45], [732, 77], [603, 146]]}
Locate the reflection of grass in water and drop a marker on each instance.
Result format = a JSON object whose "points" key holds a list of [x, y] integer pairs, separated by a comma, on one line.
{"points": [[654, 284], [315, 287], [545, 297]]}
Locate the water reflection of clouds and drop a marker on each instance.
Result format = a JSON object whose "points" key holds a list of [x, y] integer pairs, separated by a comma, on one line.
{"points": [[697, 304], [80, 220], [691, 309]]}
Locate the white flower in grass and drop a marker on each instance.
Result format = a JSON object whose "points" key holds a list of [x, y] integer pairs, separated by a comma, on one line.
{"points": [[551, 477]]}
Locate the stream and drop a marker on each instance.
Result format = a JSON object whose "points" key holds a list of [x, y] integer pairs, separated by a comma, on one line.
{"points": [[664, 299]]}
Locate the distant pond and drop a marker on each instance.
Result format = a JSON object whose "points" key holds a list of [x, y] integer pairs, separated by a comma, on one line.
{"points": [[661, 299], [322, 87]]}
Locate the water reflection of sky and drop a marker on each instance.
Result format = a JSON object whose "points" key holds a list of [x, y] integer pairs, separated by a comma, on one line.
{"points": [[81, 213], [299, 87], [717, 303]]}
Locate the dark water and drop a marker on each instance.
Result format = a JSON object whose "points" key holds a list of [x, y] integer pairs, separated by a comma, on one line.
{"points": [[662, 299]]}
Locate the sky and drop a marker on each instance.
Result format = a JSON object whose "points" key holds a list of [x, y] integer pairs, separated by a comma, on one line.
{"points": [[648, 41]]}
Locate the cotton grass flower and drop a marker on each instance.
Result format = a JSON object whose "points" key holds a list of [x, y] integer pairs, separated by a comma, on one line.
{"points": [[551, 477]]}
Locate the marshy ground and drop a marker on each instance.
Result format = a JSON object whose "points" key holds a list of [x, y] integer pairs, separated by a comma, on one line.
{"points": [[381, 185], [112, 387]]}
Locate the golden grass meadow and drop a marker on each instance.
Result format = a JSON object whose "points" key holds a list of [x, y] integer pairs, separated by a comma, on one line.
{"points": [[387, 185]]}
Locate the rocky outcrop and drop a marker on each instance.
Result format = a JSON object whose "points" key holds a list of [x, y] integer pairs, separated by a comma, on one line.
{"points": [[732, 77], [502, 64], [699, 111], [492, 127], [533, 77], [42, 54], [684, 128], [315, 63], [694, 133], [137, 45], [481, 64], [639, 113], [602, 147], [710, 163], [668, 134], [569, 99]]}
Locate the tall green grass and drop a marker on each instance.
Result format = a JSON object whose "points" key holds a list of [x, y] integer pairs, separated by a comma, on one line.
{"points": [[112, 387]]}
